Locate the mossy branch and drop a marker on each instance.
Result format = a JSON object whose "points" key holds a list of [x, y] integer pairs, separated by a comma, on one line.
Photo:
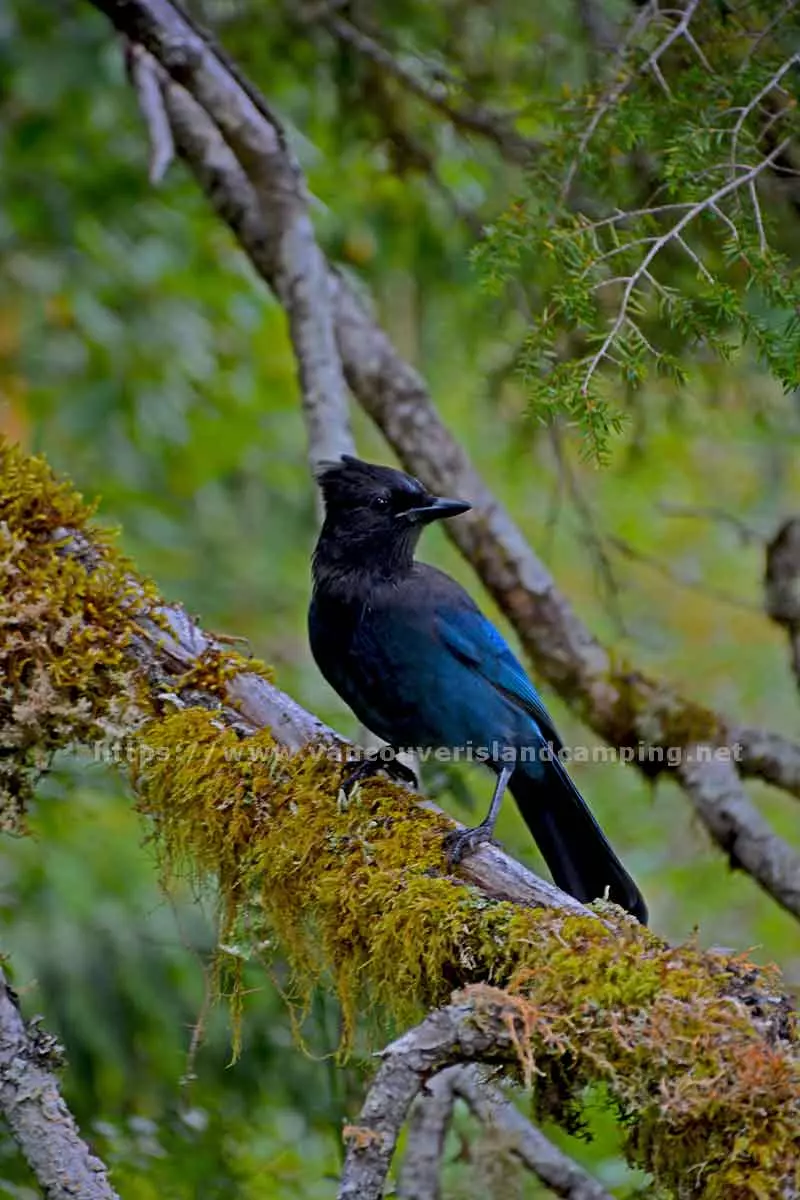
{"points": [[509, 1134], [672, 1123], [698, 1051]]}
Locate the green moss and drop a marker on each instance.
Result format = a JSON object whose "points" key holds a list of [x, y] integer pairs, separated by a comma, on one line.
{"points": [[69, 607], [356, 894], [213, 670], [66, 621]]}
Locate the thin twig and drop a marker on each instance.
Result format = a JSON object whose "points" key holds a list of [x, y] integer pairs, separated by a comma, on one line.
{"points": [[701, 206], [766, 31], [143, 69], [680, 30], [470, 117], [592, 537], [755, 101], [762, 237], [649, 560], [610, 98], [420, 1172], [709, 512], [517, 1136], [701, 266]]}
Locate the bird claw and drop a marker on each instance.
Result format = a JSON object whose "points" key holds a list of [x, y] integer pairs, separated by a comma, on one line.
{"points": [[461, 843], [396, 771]]}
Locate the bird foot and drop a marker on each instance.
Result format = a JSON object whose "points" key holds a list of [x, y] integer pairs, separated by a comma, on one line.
{"points": [[462, 842], [396, 771]]}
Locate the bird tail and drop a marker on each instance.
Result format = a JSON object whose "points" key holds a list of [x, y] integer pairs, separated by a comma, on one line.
{"points": [[572, 843]]}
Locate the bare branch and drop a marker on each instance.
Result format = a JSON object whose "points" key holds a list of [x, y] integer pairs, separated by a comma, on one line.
{"points": [[257, 138], [522, 1139], [766, 755], [754, 103], [681, 30], [39, 1120], [738, 828], [512, 1134], [427, 1129], [764, 33], [650, 560], [143, 72], [449, 1035], [611, 96], [746, 533], [468, 117], [702, 269]]}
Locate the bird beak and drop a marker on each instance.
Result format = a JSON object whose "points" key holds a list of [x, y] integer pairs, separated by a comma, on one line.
{"points": [[437, 510]]}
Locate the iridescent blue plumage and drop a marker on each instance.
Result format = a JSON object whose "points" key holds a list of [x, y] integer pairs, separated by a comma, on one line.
{"points": [[407, 648]]}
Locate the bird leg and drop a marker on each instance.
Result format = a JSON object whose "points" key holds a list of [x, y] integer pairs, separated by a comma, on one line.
{"points": [[463, 842], [368, 767]]}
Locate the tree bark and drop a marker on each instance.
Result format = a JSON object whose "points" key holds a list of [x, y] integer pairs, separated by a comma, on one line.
{"points": [[39, 1120]]}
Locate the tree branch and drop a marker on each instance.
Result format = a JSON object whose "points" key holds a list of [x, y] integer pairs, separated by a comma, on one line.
{"points": [[512, 1134], [143, 72], [621, 704], [258, 140], [419, 1177], [447, 1036], [721, 802], [39, 1120], [522, 1139], [467, 117], [481, 1025]]}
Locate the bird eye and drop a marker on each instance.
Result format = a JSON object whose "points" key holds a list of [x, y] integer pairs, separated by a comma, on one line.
{"points": [[382, 503]]}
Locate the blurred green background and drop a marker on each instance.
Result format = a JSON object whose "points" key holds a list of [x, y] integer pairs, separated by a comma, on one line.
{"points": [[141, 354]]}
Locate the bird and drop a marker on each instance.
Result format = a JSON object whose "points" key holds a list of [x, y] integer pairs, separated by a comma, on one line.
{"points": [[409, 651]]}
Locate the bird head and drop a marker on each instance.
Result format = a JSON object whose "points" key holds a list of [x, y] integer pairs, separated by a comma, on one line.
{"points": [[375, 510]]}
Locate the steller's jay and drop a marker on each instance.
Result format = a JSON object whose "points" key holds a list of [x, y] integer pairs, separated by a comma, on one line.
{"points": [[406, 647]]}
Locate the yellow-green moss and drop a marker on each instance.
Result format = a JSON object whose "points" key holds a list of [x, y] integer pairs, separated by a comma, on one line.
{"points": [[213, 670], [356, 893], [69, 607], [66, 620]]}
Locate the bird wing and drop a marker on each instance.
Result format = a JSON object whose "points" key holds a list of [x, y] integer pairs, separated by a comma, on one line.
{"points": [[472, 638]]}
